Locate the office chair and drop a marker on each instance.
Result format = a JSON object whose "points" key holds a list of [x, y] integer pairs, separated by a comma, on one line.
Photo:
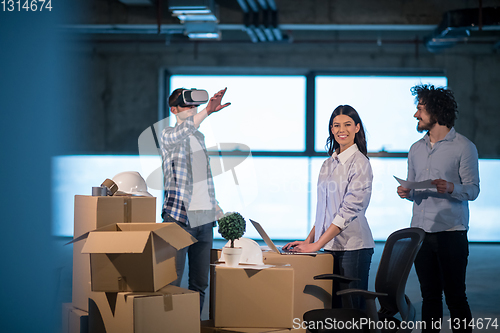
{"points": [[397, 259]]}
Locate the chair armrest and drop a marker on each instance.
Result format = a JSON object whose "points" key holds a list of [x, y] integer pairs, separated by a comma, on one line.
{"points": [[365, 293], [335, 277], [371, 307]]}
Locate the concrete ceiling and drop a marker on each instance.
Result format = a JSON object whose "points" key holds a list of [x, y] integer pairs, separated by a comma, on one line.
{"points": [[300, 21]]}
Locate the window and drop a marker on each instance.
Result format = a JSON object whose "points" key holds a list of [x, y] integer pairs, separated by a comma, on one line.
{"points": [[266, 112], [384, 103], [484, 211], [77, 174], [286, 199], [280, 202], [267, 116]]}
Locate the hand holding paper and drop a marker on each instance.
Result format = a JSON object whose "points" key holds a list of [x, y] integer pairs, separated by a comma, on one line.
{"points": [[425, 184], [443, 186], [403, 192]]}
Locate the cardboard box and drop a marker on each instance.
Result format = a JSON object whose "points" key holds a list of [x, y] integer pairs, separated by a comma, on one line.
{"points": [[134, 256], [207, 326], [95, 212], [245, 297], [309, 294], [171, 309], [74, 320], [81, 277]]}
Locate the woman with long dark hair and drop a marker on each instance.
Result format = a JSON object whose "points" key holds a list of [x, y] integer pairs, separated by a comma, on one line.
{"points": [[344, 190]]}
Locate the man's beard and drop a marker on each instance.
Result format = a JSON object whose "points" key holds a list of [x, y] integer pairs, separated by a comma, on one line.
{"points": [[425, 126]]}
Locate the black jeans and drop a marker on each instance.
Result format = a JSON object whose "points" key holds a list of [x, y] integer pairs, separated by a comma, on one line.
{"points": [[198, 253], [441, 267]]}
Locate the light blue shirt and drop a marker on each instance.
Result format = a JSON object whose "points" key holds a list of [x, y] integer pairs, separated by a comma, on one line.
{"points": [[455, 160], [344, 191]]}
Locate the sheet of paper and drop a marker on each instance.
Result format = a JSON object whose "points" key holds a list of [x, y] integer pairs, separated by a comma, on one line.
{"points": [[416, 185]]}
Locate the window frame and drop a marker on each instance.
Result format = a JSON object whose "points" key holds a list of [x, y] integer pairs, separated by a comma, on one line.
{"points": [[310, 106]]}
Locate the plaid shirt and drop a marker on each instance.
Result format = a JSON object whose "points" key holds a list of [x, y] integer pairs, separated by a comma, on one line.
{"points": [[177, 172]]}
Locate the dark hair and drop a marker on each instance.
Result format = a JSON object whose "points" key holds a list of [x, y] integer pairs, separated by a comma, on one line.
{"points": [[359, 138], [439, 103], [174, 95]]}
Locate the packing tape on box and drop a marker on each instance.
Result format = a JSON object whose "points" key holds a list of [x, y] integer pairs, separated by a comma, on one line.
{"points": [[110, 185], [127, 209], [168, 303], [122, 283]]}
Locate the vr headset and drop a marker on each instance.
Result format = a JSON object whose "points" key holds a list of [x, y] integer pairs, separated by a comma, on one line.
{"points": [[190, 97]]}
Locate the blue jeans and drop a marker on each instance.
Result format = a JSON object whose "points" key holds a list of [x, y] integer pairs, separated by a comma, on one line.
{"points": [[198, 257], [441, 267], [354, 264]]}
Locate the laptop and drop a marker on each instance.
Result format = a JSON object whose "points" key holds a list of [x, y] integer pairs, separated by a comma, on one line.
{"points": [[273, 247]]}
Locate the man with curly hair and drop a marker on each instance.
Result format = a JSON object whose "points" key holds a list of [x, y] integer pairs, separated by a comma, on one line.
{"points": [[451, 161]]}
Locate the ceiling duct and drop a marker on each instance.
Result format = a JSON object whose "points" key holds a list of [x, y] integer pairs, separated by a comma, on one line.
{"points": [[137, 2], [466, 25], [260, 18], [199, 17]]}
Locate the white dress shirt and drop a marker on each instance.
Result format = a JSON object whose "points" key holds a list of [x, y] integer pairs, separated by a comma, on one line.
{"points": [[344, 191], [455, 160]]}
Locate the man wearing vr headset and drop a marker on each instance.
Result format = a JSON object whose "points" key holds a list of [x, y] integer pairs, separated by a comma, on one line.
{"points": [[189, 189]]}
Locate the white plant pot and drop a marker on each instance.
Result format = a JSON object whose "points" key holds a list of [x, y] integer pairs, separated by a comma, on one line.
{"points": [[232, 255]]}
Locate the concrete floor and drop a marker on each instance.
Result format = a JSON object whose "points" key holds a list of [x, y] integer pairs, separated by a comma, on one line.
{"points": [[483, 289]]}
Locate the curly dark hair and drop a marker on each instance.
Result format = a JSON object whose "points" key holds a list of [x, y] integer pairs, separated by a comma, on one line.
{"points": [[439, 102], [359, 138]]}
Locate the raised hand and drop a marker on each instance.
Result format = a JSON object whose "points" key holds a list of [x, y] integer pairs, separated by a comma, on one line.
{"points": [[214, 104]]}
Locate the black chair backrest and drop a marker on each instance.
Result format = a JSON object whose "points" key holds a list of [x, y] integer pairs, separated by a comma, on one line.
{"points": [[400, 251]]}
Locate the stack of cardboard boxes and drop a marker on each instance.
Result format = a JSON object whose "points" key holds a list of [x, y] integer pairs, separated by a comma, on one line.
{"points": [[122, 264]]}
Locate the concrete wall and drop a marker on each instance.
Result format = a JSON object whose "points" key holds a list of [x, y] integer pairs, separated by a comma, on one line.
{"points": [[121, 86]]}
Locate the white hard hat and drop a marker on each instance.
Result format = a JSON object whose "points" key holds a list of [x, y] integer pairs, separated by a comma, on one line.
{"points": [[131, 182], [251, 254]]}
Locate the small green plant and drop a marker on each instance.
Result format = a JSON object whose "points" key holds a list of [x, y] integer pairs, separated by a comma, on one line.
{"points": [[232, 226]]}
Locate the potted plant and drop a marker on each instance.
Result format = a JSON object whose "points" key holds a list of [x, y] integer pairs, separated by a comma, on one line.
{"points": [[231, 227]]}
